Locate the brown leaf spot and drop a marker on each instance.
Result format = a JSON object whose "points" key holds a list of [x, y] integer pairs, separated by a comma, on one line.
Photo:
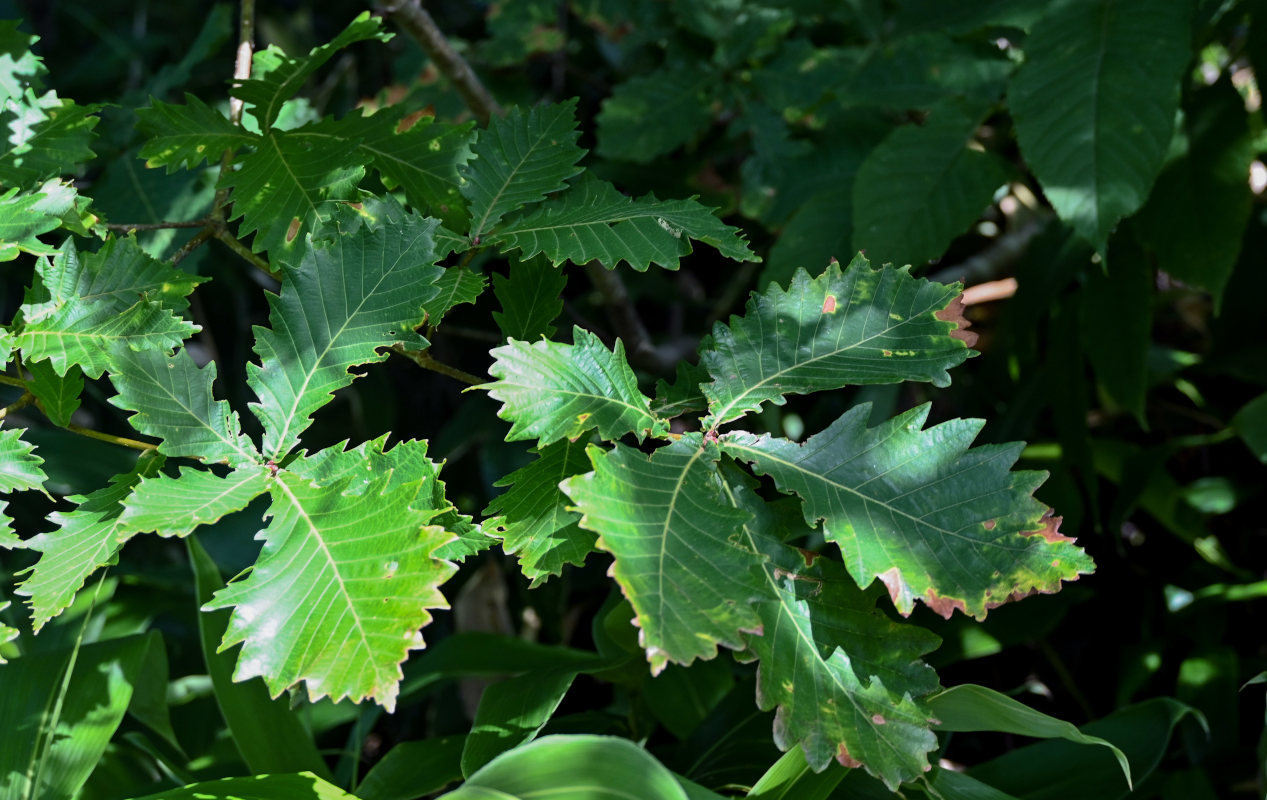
{"points": [[410, 120], [846, 760], [944, 605], [990, 524], [878, 719], [293, 230], [809, 556], [829, 304], [899, 591], [954, 313], [1050, 530]]}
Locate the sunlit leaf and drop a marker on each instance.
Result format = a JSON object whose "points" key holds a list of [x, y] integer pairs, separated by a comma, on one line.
{"points": [[174, 506]]}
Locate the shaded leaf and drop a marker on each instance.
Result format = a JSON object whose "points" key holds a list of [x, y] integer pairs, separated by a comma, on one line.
{"points": [[676, 540], [551, 391], [172, 401], [411, 768], [456, 285], [924, 185], [1094, 105], [532, 519], [58, 394], [1116, 305], [86, 539], [859, 326], [174, 506], [931, 518], [512, 712], [276, 77], [593, 221], [349, 297], [300, 786], [518, 160], [847, 681], [339, 592], [184, 136], [679, 99], [683, 395], [1250, 423], [531, 299]]}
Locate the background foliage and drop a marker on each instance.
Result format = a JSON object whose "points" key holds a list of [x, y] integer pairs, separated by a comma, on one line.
{"points": [[1088, 168]]}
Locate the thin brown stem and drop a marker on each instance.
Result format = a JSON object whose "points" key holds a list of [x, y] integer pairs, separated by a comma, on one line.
{"points": [[109, 437], [423, 359], [193, 244], [628, 325], [127, 227], [415, 21]]}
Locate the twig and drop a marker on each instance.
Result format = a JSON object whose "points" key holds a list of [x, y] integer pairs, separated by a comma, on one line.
{"points": [[245, 52], [423, 359], [8, 380], [414, 20], [153, 226], [109, 437], [22, 402], [628, 325], [990, 263], [225, 236], [193, 244]]}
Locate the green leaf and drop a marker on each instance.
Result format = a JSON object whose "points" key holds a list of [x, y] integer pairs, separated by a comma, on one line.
{"points": [[1116, 305], [532, 519], [924, 185], [551, 391], [47, 137], [86, 336], [818, 233], [1094, 105], [175, 506], [7, 634], [408, 465], [1250, 423], [21, 221], [520, 159], [531, 299], [593, 767], [182, 137], [86, 539], [847, 681], [512, 712], [53, 763], [365, 562], [413, 768], [58, 394], [678, 99], [676, 542], [276, 77], [290, 186], [683, 395], [1195, 217], [860, 326], [301, 786], [172, 401], [20, 467], [790, 777], [918, 509], [593, 221], [411, 152], [269, 735], [976, 708], [350, 296], [456, 285]]}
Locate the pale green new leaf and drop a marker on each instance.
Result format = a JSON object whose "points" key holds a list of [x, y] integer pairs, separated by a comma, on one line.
{"points": [[531, 299], [21, 222], [20, 467], [456, 286], [1094, 105], [532, 518], [847, 682], [551, 391], [860, 326], [408, 465], [86, 539], [339, 592], [924, 185], [175, 506], [291, 185], [518, 160], [85, 335], [276, 77], [7, 634], [593, 221], [931, 518], [649, 116], [352, 294], [172, 401], [677, 543], [182, 137], [58, 394]]}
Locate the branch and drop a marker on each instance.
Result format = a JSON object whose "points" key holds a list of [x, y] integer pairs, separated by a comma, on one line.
{"points": [[415, 21], [629, 327], [423, 359], [128, 227], [109, 437]]}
